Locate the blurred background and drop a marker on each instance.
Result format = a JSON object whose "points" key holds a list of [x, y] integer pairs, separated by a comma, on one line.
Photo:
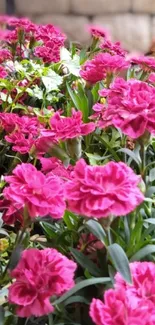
{"points": [[130, 21]]}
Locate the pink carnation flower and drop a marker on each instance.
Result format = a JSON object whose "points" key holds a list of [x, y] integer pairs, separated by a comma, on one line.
{"points": [[102, 64], [3, 73], [97, 31], [56, 167], [20, 143], [117, 311], [41, 195], [146, 63], [143, 286], [101, 191], [63, 128], [113, 48], [151, 78], [5, 55], [130, 107], [40, 275]]}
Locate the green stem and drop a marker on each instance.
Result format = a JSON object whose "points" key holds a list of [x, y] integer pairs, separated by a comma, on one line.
{"points": [[143, 159]]}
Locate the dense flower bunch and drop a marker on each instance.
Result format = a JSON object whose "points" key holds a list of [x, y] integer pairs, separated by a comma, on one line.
{"points": [[128, 304], [130, 107], [102, 191], [101, 65], [31, 291], [77, 179]]}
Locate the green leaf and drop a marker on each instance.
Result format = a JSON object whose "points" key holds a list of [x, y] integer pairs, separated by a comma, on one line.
{"points": [[76, 299], [1, 315], [75, 99], [52, 81], [85, 262], [150, 220], [120, 261], [145, 251], [152, 175], [79, 286], [95, 228], [131, 154], [108, 146]]}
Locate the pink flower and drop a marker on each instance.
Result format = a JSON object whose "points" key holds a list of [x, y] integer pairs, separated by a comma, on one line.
{"points": [[102, 64], [146, 63], [112, 48], [70, 127], [40, 275], [41, 195], [3, 73], [5, 55], [101, 191], [97, 31], [48, 54], [56, 167], [130, 107], [116, 310], [20, 143], [143, 286], [63, 128], [151, 78]]}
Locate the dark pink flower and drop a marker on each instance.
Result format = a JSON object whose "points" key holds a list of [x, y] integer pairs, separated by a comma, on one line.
{"points": [[3, 73], [101, 191], [20, 143], [39, 275], [151, 78], [146, 63], [97, 31], [113, 48], [116, 310], [41, 195], [102, 64], [56, 167], [130, 107], [5, 55], [143, 284], [70, 127]]}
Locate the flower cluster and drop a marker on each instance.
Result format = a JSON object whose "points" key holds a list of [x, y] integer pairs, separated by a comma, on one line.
{"points": [[38, 276], [102, 64], [128, 304], [102, 191], [130, 107], [40, 195]]}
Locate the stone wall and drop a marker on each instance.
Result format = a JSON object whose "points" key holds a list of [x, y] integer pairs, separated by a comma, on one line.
{"points": [[130, 21]]}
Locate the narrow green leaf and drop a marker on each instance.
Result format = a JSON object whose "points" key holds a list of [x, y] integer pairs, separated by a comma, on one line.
{"points": [[75, 99], [85, 262], [150, 220], [97, 230], [120, 261], [79, 286], [108, 146], [131, 154], [76, 299], [145, 251]]}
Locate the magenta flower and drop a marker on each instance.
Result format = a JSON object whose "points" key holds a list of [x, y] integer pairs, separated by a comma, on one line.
{"points": [[143, 286], [116, 310], [130, 107], [151, 78], [97, 31], [40, 274], [113, 48], [56, 167], [64, 128], [102, 64], [128, 304], [146, 63], [41, 195], [101, 191], [3, 73]]}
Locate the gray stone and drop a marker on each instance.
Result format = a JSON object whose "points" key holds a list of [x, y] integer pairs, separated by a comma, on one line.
{"points": [[133, 31], [30, 7], [73, 26], [143, 6], [95, 7], [2, 7]]}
